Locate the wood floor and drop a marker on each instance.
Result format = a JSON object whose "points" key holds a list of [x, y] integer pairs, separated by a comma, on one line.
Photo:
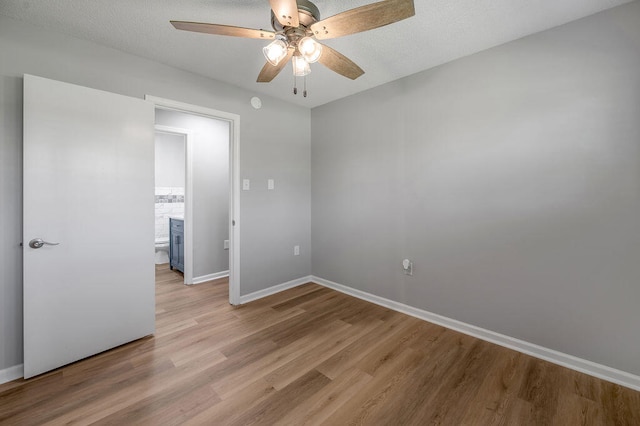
{"points": [[309, 355]]}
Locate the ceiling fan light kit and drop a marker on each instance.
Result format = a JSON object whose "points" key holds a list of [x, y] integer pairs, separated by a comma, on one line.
{"points": [[310, 49], [297, 27], [300, 66], [275, 51]]}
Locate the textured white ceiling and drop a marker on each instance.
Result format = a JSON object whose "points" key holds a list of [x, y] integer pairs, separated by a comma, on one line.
{"points": [[441, 31]]}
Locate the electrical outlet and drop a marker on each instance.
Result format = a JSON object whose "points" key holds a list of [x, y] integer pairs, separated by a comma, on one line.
{"points": [[271, 184], [296, 250]]}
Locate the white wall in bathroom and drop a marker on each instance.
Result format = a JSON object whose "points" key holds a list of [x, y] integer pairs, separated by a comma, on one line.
{"points": [[170, 180], [169, 203], [170, 160]]}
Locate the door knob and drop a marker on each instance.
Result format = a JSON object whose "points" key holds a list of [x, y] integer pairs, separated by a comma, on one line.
{"points": [[36, 243]]}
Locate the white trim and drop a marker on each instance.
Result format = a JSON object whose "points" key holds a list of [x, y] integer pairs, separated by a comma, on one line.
{"points": [[188, 198], [234, 173], [582, 365], [274, 289], [209, 277], [234, 214], [11, 373]]}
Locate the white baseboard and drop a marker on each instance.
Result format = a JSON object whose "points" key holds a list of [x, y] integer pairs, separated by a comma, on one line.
{"points": [[210, 277], [273, 290], [11, 373], [582, 365]]}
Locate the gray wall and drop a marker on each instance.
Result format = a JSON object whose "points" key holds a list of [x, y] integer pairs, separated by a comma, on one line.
{"points": [[511, 178], [271, 223], [170, 160], [210, 188]]}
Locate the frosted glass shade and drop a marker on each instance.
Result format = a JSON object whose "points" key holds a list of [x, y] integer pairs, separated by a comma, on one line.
{"points": [[300, 66], [275, 52], [310, 49]]}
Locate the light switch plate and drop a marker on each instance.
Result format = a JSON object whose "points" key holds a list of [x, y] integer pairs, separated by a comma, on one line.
{"points": [[271, 184], [246, 184]]}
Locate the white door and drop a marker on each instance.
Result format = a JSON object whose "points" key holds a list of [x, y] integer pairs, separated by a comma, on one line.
{"points": [[88, 185]]}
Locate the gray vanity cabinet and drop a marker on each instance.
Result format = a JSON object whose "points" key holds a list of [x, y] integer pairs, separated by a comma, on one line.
{"points": [[176, 244]]}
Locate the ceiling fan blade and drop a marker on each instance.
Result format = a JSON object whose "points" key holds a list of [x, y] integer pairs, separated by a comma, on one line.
{"points": [[269, 72], [363, 18], [286, 12], [339, 63], [226, 30]]}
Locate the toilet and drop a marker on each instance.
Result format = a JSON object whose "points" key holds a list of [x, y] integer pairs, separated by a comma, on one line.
{"points": [[162, 250]]}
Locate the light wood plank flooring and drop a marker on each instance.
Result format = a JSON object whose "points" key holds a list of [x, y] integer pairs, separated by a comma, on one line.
{"points": [[309, 355]]}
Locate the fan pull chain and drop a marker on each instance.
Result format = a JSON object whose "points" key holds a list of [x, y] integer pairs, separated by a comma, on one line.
{"points": [[295, 85], [304, 92]]}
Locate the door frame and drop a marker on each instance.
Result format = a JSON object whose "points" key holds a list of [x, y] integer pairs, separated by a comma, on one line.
{"points": [[188, 195], [234, 178]]}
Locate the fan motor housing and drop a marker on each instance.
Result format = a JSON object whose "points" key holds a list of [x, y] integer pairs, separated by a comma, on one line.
{"points": [[308, 13]]}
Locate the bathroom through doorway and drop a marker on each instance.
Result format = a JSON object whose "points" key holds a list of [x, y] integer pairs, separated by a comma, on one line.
{"points": [[194, 195]]}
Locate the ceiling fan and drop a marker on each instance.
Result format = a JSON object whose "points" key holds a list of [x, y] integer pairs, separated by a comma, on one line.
{"points": [[297, 27]]}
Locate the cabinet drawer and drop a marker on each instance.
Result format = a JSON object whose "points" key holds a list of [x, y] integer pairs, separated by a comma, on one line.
{"points": [[177, 225]]}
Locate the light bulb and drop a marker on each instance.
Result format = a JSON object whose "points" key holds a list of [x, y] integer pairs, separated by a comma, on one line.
{"points": [[310, 49], [275, 52], [300, 66]]}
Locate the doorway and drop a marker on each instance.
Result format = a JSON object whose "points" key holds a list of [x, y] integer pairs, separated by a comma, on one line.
{"points": [[173, 199], [167, 112]]}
